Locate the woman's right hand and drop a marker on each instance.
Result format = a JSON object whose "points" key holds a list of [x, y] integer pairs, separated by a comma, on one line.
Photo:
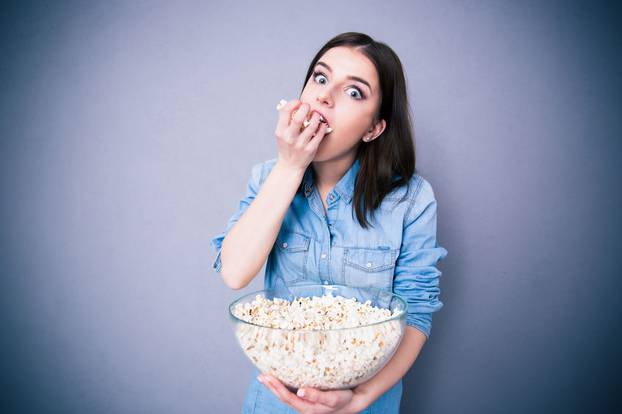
{"points": [[297, 148]]}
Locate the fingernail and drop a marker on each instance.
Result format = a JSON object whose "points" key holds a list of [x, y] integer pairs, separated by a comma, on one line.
{"points": [[301, 393], [260, 378]]}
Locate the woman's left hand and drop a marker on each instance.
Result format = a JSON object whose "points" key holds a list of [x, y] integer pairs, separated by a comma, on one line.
{"points": [[313, 401]]}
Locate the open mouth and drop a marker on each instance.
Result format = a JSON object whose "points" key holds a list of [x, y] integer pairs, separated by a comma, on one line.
{"points": [[307, 121]]}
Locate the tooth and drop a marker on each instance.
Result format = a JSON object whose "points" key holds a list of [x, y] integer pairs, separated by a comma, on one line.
{"points": [[281, 104], [329, 130], [305, 123]]}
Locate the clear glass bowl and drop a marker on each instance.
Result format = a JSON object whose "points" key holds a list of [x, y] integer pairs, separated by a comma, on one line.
{"points": [[327, 359]]}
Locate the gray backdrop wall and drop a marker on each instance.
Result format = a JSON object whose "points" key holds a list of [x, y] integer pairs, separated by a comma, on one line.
{"points": [[128, 130]]}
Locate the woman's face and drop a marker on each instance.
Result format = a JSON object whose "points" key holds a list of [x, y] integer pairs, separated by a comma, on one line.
{"points": [[344, 87]]}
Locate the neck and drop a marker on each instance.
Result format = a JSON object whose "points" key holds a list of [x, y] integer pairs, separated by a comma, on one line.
{"points": [[328, 173]]}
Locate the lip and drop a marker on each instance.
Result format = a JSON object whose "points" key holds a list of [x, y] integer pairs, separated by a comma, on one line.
{"points": [[310, 114], [323, 116]]}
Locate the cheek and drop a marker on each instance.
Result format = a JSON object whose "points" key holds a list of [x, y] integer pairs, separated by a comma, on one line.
{"points": [[307, 92], [352, 124], [338, 143]]}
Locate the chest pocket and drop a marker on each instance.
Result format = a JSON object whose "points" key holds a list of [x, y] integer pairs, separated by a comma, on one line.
{"points": [[291, 256], [369, 267]]}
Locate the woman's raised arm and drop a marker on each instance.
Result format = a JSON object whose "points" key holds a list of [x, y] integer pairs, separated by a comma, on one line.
{"points": [[248, 243]]}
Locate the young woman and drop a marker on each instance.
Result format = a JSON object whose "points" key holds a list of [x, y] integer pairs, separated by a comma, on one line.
{"points": [[341, 207]]}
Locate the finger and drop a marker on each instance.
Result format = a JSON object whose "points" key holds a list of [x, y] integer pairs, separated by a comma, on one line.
{"points": [[311, 129], [299, 116], [332, 399], [285, 113], [316, 140], [286, 396]]}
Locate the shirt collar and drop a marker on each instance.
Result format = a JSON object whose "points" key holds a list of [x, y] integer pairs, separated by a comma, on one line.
{"points": [[345, 186]]}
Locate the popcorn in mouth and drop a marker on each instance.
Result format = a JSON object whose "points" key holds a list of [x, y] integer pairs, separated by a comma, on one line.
{"points": [[306, 122]]}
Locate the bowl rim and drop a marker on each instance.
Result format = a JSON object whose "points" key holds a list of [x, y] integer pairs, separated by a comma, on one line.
{"points": [[400, 315]]}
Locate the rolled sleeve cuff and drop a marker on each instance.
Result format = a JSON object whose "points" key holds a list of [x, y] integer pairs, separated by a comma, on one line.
{"points": [[419, 286], [420, 321], [422, 302], [252, 189], [217, 245]]}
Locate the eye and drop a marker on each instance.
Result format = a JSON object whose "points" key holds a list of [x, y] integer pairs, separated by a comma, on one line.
{"points": [[318, 76], [358, 94]]}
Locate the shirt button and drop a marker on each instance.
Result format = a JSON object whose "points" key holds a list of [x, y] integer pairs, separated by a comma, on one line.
{"points": [[285, 245], [323, 256], [368, 264], [330, 197]]}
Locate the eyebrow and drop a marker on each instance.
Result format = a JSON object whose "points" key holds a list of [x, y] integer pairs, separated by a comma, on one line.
{"points": [[356, 78]]}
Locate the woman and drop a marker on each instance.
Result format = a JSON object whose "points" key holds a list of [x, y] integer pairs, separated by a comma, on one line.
{"points": [[341, 206]]}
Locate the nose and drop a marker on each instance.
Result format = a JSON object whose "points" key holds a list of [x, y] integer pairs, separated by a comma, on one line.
{"points": [[324, 98]]}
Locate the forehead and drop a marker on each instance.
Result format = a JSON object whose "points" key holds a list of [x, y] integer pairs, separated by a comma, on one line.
{"points": [[347, 61]]}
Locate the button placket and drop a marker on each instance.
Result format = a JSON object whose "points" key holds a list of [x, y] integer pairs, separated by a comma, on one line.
{"points": [[315, 203], [324, 263]]}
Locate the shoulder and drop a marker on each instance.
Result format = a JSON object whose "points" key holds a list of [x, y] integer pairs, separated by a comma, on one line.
{"points": [[423, 189], [411, 197], [416, 188], [421, 196]]}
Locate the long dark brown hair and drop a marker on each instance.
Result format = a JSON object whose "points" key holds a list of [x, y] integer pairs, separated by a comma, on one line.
{"points": [[387, 162]]}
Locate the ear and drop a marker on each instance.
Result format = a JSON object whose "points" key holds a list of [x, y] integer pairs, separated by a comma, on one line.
{"points": [[375, 131]]}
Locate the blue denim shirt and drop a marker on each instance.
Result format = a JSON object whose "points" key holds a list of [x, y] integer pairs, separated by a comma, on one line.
{"points": [[399, 253]]}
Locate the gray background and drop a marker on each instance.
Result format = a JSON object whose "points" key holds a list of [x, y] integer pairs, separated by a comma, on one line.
{"points": [[128, 130]]}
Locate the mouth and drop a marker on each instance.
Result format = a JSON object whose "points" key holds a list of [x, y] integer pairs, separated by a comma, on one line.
{"points": [[323, 120]]}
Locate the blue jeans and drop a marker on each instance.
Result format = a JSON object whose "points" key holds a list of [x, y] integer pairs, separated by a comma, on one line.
{"points": [[260, 400]]}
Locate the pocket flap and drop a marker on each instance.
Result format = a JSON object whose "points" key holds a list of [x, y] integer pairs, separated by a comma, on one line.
{"points": [[370, 260], [293, 242]]}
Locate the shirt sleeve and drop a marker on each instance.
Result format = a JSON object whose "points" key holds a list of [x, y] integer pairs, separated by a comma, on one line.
{"points": [[416, 277], [252, 189]]}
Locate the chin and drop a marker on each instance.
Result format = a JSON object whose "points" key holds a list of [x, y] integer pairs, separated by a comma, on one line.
{"points": [[324, 155], [320, 157]]}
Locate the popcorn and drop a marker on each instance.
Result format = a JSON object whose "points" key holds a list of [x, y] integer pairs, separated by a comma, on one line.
{"points": [[327, 342], [305, 123], [281, 104]]}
